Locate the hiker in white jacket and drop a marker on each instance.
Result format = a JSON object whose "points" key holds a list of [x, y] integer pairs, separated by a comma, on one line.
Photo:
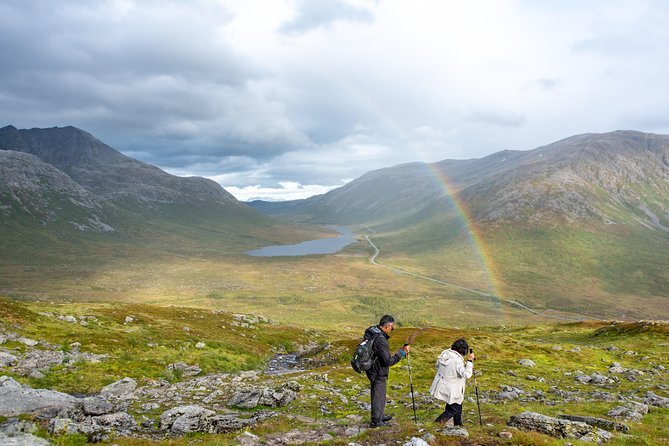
{"points": [[449, 383]]}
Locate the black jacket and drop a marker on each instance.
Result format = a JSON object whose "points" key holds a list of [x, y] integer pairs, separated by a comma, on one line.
{"points": [[384, 359]]}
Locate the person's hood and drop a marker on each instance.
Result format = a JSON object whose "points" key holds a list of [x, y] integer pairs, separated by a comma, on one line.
{"points": [[372, 331], [452, 354]]}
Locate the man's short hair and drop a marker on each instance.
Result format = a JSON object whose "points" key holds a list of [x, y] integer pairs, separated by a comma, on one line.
{"points": [[385, 320]]}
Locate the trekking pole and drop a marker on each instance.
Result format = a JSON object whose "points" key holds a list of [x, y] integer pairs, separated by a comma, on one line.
{"points": [[413, 401], [476, 388]]}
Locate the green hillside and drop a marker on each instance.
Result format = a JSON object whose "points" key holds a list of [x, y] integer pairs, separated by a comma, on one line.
{"points": [[139, 342], [580, 225]]}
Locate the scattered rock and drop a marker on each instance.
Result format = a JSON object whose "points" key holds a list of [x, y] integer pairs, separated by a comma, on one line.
{"points": [[559, 428], [22, 439], [148, 407], [248, 439], [415, 441], [129, 319], [96, 405], [184, 419], [27, 341], [458, 431], [429, 438], [7, 360], [597, 378], [653, 399], [69, 319], [97, 429], [506, 435], [184, 369], [598, 422], [526, 362], [509, 393], [119, 388], [630, 411], [200, 345], [252, 397]]}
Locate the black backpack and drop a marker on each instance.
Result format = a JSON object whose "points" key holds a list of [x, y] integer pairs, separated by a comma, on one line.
{"points": [[364, 356]]}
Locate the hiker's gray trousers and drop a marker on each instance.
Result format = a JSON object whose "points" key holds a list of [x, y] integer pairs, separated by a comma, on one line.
{"points": [[378, 390]]}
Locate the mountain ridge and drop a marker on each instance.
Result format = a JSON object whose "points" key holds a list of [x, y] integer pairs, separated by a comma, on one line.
{"points": [[565, 177], [107, 172]]}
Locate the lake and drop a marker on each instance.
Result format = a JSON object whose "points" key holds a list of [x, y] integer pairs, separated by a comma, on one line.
{"points": [[330, 245]]}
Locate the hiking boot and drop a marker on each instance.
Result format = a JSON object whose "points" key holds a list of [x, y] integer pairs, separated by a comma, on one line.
{"points": [[387, 418], [378, 424]]}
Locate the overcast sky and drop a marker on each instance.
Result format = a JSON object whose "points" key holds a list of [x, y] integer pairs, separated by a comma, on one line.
{"points": [[285, 99]]}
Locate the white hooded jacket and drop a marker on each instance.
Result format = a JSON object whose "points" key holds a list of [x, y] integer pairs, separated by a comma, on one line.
{"points": [[452, 372]]}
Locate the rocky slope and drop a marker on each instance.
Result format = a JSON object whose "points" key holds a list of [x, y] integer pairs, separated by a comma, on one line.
{"points": [[614, 178], [108, 173], [104, 373], [37, 189]]}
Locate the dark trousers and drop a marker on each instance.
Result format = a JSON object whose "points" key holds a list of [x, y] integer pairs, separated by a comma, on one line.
{"points": [[378, 391], [452, 411]]}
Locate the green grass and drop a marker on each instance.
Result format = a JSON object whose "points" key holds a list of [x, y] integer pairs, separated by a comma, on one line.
{"points": [[498, 351]]}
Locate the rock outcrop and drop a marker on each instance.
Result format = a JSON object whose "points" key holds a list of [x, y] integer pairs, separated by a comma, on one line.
{"points": [[16, 399], [558, 428]]}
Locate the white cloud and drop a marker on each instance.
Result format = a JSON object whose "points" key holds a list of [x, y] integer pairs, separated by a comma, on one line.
{"points": [[286, 191], [257, 93]]}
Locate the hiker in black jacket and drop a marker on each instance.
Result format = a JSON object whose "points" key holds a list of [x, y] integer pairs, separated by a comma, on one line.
{"points": [[378, 374]]}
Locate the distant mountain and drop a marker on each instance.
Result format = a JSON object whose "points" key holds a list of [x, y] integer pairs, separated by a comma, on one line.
{"points": [[107, 172], [580, 224], [58, 185], [618, 177]]}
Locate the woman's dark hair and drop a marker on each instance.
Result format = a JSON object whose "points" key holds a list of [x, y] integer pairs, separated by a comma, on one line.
{"points": [[460, 346]]}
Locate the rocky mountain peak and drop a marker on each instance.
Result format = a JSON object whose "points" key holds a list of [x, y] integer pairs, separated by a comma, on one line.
{"points": [[105, 171]]}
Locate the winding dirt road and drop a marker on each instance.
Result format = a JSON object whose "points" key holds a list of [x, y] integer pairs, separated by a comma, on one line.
{"points": [[491, 297]]}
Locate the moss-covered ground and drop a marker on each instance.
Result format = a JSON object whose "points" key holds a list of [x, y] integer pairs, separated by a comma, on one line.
{"points": [[332, 393]]}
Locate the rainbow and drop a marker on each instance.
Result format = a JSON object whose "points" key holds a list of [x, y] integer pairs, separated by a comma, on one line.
{"points": [[475, 237], [474, 234]]}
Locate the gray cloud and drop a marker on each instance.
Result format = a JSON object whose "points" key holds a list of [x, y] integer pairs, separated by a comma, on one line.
{"points": [[316, 14], [159, 72], [508, 119], [244, 93]]}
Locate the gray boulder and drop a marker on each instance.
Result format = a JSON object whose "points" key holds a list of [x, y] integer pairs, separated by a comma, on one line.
{"points": [[598, 422], [558, 428], [184, 419], [99, 428], [119, 388], [456, 431], [184, 369], [415, 441], [652, 399], [249, 398], [22, 439], [7, 359], [597, 378], [27, 341], [188, 416], [630, 411], [96, 405], [18, 400], [526, 362], [246, 398]]}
